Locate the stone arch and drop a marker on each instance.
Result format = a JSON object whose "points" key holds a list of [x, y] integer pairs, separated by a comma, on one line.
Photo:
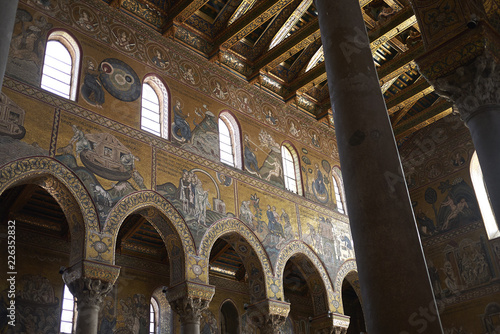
{"points": [[298, 247], [238, 235], [164, 217], [65, 187], [349, 271]]}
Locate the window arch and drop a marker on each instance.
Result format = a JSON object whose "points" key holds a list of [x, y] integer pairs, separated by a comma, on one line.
{"points": [[483, 199], [229, 140], [229, 317], [153, 316], [291, 168], [61, 65], [154, 106], [68, 312], [338, 188]]}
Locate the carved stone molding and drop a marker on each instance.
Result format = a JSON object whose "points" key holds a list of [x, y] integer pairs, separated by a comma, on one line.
{"points": [[472, 87], [189, 299]]}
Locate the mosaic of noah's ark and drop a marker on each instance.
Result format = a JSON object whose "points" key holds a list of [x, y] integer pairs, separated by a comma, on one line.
{"points": [[100, 140]]}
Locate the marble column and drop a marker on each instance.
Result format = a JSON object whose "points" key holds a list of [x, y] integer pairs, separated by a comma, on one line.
{"points": [[7, 18], [90, 294], [474, 89], [90, 282], [189, 300], [395, 286]]}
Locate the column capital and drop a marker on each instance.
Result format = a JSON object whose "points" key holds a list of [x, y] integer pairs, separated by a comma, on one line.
{"points": [[90, 282], [472, 87], [331, 323], [189, 299], [269, 315]]}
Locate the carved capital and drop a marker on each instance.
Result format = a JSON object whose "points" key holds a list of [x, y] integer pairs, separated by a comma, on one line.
{"points": [[330, 323], [89, 292], [90, 282], [189, 299], [269, 315], [472, 87]]}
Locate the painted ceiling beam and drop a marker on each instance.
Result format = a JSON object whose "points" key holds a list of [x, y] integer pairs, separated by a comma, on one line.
{"points": [[181, 11], [409, 102], [249, 22], [288, 47], [314, 76], [423, 119], [407, 93], [399, 64], [394, 27]]}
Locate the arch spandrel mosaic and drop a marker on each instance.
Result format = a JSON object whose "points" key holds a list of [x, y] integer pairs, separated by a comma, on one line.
{"points": [[109, 164]]}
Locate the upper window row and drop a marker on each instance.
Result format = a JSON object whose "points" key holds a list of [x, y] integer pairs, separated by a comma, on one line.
{"points": [[59, 76]]}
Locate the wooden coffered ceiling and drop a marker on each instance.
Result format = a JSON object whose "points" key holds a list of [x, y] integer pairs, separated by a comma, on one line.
{"points": [[276, 45]]}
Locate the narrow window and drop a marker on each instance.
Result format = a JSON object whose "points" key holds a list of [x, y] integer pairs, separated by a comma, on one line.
{"points": [[291, 169], [154, 107], [68, 312], [153, 319], [483, 198], [338, 199], [60, 65], [338, 188], [229, 141]]}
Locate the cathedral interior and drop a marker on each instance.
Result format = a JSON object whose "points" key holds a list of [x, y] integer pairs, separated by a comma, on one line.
{"points": [[186, 166]]}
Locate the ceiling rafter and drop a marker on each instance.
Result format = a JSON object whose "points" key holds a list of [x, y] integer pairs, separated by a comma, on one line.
{"points": [[281, 52], [407, 93], [432, 114], [181, 11], [249, 22]]}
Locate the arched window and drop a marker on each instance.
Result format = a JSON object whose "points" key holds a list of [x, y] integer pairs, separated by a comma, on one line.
{"points": [[153, 316], [483, 199], [338, 188], [229, 323], [154, 107], [291, 168], [229, 140], [68, 312], [61, 65]]}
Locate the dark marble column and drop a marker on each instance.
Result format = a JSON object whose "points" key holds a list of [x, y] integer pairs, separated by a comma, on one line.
{"points": [[395, 286], [474, 89], [7, 18]]}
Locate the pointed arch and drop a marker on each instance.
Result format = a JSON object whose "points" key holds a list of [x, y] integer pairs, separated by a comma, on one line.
{"points": [[349, 271], [164, 218], [298, 247], [232, 226], [62, 184]]}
